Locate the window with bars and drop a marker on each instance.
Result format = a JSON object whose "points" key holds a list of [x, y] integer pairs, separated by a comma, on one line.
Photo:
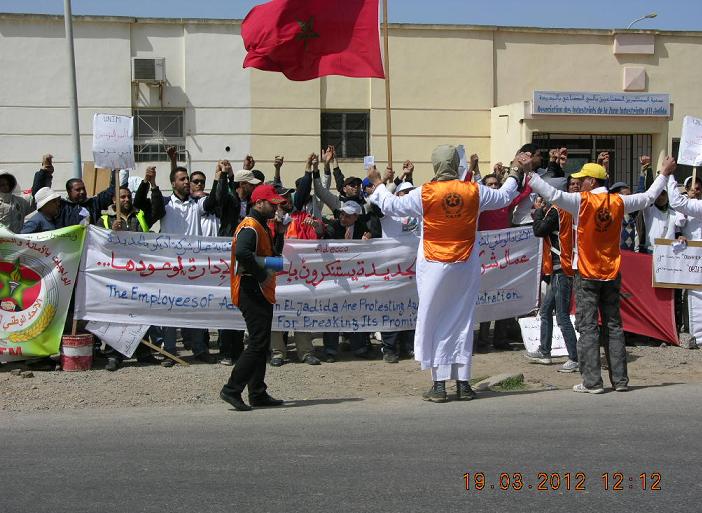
{"points": [[155, 131], [348, 132]]}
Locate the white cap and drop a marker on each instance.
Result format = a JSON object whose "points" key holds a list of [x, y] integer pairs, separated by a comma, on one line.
{"points": [[404, 186], [351, 208], [44, 195], [244, 175]]}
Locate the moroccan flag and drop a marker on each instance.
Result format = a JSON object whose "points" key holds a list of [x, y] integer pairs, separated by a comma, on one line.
{"points": [[306, 39]]}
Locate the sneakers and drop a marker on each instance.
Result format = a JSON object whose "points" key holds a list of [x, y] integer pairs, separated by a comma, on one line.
{"points": [[227, 361], [570, 366], [582, 388], [437, 393], [621, 388], [276, 361], [538, 357], [112, 364], [464, 392], [311, 359], [168, 363], [391, 358]]}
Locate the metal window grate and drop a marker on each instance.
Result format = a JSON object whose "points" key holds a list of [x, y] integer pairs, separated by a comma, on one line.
{"points": [[348, 132], [156, 130]]}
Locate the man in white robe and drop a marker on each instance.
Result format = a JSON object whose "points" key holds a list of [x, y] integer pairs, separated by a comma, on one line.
{"points": [[448, 266]]}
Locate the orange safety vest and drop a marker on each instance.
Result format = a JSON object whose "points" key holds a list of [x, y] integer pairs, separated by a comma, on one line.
{"points": [[599, 233], [565, 240], [264, 248], [547, 264], [451, 210]]}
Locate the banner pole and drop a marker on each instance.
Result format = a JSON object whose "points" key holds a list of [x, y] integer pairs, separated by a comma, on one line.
{"points": [[118, 209], [388, 113], [694, 178]]}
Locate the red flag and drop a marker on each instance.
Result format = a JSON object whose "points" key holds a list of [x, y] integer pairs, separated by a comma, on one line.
{"points": [[306, 39]]}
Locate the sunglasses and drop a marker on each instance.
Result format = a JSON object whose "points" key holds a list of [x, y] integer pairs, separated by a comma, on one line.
{"points": [[198, 182]]}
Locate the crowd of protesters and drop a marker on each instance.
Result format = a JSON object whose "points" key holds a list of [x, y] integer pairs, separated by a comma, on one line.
{"points": [[323, 203]]}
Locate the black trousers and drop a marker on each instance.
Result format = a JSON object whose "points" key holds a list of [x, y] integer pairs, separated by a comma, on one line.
{"points": [[231, 343], [250, 368]]}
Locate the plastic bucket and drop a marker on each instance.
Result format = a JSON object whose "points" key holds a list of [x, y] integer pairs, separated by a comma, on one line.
{"points": [[77, 352]]}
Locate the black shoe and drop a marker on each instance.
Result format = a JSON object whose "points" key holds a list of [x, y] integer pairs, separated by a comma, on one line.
{"points": [[112, 364], [329, 358], [264, 400], [437, 393], [311, 359], [148, 360], [235, 400], [277, 362], [481, 349], [168, 363], [504, 346], [464, 392], [205, 358]]}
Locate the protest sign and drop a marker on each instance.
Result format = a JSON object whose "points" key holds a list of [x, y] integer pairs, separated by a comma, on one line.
{"points": [[329, 285], [113, 141], [123, 337], [690, 152], [462, 162], [37, 276], [368, 161], [531, 335], [677, 266]]}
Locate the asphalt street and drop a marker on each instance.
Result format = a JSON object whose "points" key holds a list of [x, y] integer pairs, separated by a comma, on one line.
{"points": [[363, 455]]}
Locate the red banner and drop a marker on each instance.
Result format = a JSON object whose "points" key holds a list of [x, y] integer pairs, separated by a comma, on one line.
{"points": [[646, 310]]}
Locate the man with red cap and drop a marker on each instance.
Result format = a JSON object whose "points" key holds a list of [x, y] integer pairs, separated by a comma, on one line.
{"points": [[253, 291]]}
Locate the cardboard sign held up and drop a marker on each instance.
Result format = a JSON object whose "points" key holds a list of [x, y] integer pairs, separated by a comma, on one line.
{"points": [[677, 267], [95, 179]]}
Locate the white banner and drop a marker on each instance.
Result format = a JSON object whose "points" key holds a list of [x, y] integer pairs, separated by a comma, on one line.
{"points": [[113, 141], [125, 338], [333, 285], [690, 153]]}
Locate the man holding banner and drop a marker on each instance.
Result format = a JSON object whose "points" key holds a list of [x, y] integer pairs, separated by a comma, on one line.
{"points": [[596, 259], [448, 268]]}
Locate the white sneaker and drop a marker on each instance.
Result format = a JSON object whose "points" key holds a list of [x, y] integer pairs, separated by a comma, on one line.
{"points": [[538, 357], [582, 388], [569, 366]]}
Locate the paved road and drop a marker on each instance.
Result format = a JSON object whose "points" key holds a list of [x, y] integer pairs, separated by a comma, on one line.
{"points": [[355, 455]]}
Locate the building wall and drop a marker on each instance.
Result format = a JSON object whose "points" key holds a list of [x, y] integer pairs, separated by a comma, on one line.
{"points": [[449, 84]]}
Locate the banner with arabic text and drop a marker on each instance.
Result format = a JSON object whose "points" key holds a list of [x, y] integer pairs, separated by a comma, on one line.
{"points": [[37, 276], [331, 285]]}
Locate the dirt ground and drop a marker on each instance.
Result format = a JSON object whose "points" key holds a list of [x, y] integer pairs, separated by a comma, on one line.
{"points": [[198, 384]]}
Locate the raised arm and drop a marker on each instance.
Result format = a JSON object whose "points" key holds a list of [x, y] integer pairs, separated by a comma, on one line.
{"points": [[569, 201], [495, 199], [409, 205], [635, 202], [682, 204]]}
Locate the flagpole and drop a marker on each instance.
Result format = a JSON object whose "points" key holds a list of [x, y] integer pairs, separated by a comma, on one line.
{"points": [[388, 113]]}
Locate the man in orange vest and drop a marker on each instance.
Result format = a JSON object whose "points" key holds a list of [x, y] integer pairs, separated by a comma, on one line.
{"points": [[253, 291], [555, 225], [596, 260], [448, 268]]}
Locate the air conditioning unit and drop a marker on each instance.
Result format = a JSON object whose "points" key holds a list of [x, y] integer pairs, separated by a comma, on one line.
{"points": [[148, 70]]}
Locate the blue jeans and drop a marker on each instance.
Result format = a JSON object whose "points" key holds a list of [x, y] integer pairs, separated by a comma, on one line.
{"points": [[558, 299]]}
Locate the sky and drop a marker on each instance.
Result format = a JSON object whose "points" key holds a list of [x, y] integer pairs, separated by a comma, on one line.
{"points": [[603, 14]]}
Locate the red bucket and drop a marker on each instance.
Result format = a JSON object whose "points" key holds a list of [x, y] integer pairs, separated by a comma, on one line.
{"points": [[77, 352]]}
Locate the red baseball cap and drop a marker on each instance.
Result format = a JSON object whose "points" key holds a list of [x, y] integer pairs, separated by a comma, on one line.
{"points": [[266, 192]]}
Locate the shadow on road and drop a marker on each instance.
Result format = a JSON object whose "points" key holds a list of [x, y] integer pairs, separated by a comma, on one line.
{"points": [[314, 402]]}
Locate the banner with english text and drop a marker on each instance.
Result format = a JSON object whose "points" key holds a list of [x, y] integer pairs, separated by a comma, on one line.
{"points": [[329, 285], [37, 277]]}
